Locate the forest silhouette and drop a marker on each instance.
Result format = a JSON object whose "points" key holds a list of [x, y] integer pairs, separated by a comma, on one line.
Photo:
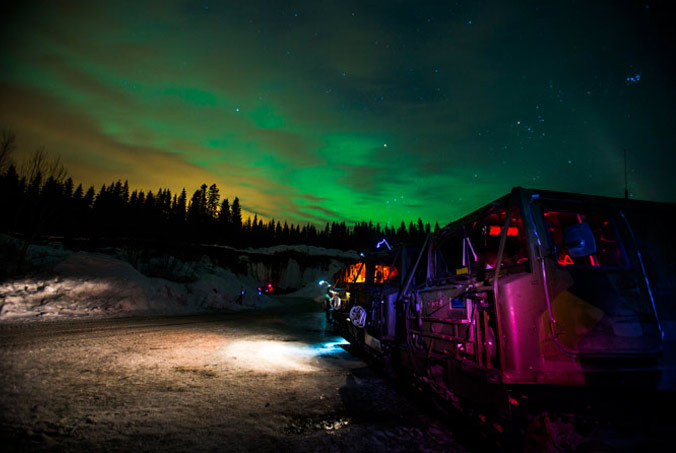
{"points": [[38, 200]]}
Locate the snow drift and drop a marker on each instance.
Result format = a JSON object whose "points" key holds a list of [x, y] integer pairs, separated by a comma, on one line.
{"points": [[84, 284]]}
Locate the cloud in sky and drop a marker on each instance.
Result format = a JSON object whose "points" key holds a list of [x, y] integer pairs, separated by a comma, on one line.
{"points": [[323, 111]]}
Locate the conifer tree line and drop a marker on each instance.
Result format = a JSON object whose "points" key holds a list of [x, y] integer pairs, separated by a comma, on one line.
{"points": [[38, 199]]}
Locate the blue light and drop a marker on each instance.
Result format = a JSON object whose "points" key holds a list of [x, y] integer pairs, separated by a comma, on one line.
{"points": [[633, 79], [384, 241], [335, 346]]}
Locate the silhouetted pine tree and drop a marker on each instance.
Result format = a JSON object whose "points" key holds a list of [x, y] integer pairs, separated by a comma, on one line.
{"points": [[179, 210], [278, 233], [194, 209], [213, 197], [11, 195], [236, 215]]}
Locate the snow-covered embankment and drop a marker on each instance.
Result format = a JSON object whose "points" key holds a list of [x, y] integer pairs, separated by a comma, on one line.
{"points": [[82, 284]]}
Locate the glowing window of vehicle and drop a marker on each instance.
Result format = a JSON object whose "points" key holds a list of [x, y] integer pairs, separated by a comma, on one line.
{"points": [[385, 273], [355, 273], [609, 251]]}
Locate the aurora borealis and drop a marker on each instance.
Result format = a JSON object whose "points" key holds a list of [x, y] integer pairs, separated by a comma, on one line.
{"points": [[315, 111]]}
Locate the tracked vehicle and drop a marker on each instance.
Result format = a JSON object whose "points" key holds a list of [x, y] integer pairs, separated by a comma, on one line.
{"points": [[361, 302], [542, 308]]}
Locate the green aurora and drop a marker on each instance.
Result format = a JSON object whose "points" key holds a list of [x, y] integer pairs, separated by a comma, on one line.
{"points": [[330, 111]]}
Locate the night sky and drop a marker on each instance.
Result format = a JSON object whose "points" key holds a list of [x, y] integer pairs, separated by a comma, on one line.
{"points": [[318, 111]]}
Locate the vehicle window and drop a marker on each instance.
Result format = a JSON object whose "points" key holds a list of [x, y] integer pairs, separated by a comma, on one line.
{"points": [[448, 257], [487, 233], [385, 273], [609, 251], [477, 248], [371, 273], [420, 273], [355, 273]]}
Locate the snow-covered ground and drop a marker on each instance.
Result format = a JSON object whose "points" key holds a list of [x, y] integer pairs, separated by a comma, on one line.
{"points": [[257, 381], [81, 284]]}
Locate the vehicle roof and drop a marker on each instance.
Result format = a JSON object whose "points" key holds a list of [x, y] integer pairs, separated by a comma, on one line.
{"points": [[525, 194]]}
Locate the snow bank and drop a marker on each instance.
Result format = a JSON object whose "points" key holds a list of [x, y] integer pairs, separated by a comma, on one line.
{"points": [[288, 273], [92, 285], [309, 250], [86, 284], [312, 291]]}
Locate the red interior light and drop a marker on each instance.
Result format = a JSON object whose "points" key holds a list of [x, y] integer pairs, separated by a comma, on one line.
{"points": [[566, 260], [494, 230]]}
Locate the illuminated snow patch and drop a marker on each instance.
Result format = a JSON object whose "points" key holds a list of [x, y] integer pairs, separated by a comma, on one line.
{"points": [[273, 356], [335, 346]]}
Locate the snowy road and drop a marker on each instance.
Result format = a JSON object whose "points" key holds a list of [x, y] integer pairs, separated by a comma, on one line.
{"points": [[259, 381]]}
